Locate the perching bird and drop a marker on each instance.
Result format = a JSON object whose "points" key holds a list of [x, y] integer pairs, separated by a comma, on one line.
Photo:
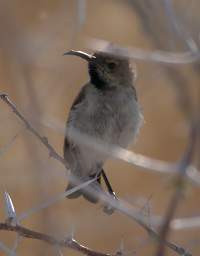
{"points": [[106, 109]]}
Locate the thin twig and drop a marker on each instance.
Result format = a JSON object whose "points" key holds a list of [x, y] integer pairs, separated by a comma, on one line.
{"points": [[178, 28], [179, 189], [16, 244], [5, 148], [5, 249], [81, 11], [53, 200], [185, 223], [160, 56], [42, 139], [67, 243]]}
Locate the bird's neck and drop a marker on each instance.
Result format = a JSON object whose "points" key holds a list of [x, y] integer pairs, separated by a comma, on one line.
{"points": [[96, 80]]}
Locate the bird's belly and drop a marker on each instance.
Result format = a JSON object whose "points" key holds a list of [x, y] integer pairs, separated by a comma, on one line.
{"points": [[117, 126], [110, 123]]}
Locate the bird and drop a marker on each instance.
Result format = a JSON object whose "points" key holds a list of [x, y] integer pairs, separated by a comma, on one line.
{"points": [[106, 109]]}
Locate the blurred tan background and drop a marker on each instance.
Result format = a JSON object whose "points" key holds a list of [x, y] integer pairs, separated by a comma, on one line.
{"points": [[43, 84]]}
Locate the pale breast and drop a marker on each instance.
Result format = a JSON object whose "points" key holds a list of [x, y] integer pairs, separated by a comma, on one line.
{"points": [[115, 117]]}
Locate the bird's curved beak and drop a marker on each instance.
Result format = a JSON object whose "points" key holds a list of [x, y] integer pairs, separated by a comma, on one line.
{"points": [[83, 55]]}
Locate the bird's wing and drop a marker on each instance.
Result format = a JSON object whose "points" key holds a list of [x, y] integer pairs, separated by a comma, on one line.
{"points": [[79, 98], [134, 92], [68, 146]]}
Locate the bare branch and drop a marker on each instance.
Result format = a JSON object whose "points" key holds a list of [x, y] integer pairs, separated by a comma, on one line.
{"points": [[16, 244], [139, 160], [53, 200], [81, 11], [6, 249], [185, 223], [166, 57], [179, 189], [42, 139], [178, 28], [67, 243], [5, 148]]}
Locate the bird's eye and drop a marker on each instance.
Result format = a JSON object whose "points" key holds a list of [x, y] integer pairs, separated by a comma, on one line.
{"points": [[112, 65]]}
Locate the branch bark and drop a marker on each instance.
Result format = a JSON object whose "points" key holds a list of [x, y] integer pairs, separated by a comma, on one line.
{"points": [[65, 243]]}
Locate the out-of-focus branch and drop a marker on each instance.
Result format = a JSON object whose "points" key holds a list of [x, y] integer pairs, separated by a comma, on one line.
{"points": [[7, 250], [178, 28], [114, 151], [67, 243], [166, 57], [53, 200], [81, 11], [5, 148], [186, 161], [185, 223]]}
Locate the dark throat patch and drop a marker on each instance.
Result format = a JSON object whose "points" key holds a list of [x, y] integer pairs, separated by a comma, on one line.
{"points": [[95, 79]]}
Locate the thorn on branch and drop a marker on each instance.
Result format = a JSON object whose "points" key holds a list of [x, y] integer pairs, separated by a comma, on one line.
{"points": [[10, 210], [121, 249], [72, 244]]}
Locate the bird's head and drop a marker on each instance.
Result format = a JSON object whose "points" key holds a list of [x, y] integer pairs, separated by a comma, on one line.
{"points": [[107, 70]]}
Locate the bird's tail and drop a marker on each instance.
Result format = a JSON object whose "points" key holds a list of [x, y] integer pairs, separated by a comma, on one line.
{"points": [[75, 194], [85, 192]]}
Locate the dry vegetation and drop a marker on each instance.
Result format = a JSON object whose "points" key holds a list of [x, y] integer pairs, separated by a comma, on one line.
{"points": [[155, 195]]}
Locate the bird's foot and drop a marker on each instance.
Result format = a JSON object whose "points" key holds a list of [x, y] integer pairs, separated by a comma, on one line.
{"points": [[109, 208]]}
